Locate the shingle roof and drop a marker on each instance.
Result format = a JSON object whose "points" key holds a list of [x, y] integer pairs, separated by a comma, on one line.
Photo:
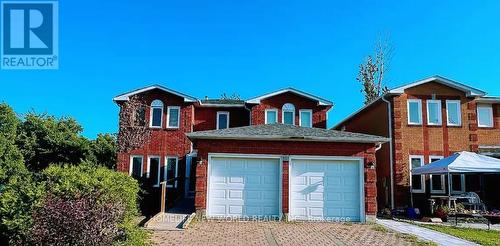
{"points": [[222, 102], [283, 132], [126, 96]]}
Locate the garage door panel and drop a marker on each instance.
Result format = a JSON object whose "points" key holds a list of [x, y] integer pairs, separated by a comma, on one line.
{"points": [[243, 187], [334, 192]]}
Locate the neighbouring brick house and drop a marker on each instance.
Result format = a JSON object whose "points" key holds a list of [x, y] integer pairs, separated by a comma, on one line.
{"points": [[266, 156], [428, 120]]}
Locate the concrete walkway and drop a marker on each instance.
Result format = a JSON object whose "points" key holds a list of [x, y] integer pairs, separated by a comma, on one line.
{"points": [[424, 233]]}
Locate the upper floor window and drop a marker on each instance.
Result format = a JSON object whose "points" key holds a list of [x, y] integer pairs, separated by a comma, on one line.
{"points": [[434, 112], [453, 113], [156, 113], [140, 116], [271, 116], [136, 166], [173, 116], [484, 115], [414, 111], [305, 116], [288, 116], [417, 181], [222, 120]]}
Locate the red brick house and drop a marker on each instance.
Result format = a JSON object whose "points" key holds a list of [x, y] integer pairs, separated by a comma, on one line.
{"points": [[427, 120], [267, 156]]}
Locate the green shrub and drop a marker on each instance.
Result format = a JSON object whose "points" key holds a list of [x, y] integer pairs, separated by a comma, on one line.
{"points": [[84, 180]]}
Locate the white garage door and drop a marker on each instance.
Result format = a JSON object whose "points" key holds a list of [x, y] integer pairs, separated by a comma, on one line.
{"points": [[241, 187], [326, 189]]}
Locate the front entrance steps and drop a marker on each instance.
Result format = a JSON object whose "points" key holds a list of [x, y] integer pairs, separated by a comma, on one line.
{"points": [[174, 219]]}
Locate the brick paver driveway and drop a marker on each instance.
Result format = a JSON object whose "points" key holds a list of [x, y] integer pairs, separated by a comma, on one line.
{"points": [[278, 233]]}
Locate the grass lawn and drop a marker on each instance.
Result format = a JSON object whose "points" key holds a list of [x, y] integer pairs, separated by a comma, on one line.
{"points": [[413, 239], [480, 236]]}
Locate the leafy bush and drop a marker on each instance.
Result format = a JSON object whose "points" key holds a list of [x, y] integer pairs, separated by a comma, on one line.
{"points": [[80, 221], [103, 150], [18, 191], [45, 139], [85, 180], [19, 197]]}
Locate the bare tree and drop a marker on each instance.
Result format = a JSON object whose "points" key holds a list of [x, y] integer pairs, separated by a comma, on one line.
{"points": [[373, 70], [133, 131]]}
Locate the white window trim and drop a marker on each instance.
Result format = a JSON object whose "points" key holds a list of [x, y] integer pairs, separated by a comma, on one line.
{"points": [[455, 103], [419, 111], [490, 109], [440, 116], [462, 181], [176, 170], [270, 110], [421, 157], [131, 164], [151, 115], [148, 168], [178, 117], [227, 121], [443, 189], [310, 118]]}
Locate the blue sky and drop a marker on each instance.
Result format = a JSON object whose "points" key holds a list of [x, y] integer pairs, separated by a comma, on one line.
{"points": [[206, 48]]}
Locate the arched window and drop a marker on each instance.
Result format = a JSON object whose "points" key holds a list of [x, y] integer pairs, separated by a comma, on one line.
{"points": [[156, 114], [288, 114]]}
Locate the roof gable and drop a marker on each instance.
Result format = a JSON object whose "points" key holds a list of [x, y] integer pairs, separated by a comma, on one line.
{"points": [[469, 91], [321, 101], [126, 96]]}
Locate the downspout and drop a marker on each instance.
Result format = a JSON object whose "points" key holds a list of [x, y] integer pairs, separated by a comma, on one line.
{"points": [[391, 162], [249, 115]]}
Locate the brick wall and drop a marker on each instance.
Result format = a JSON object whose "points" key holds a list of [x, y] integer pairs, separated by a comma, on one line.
{"points": [[428, 140], [491, 136], [423, 139], [163, 142], [204, 147], [374, 120], [277, 102], [205, 118]]}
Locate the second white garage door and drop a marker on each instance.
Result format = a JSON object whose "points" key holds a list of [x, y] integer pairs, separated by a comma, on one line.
{"points": [[326, 189], [243, 186]]}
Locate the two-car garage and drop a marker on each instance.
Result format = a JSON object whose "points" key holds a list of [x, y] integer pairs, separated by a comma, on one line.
{"points": [[275, 170], [318, 188]]}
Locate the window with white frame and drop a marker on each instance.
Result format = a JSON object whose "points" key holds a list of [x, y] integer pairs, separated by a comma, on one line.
{"points": [[170, 172], [417, 181], [156, 114], [457, 183], [437, 180], [173, 116], [305, 117], [414, 111], [153, 172], [136, 166], [484, 115], [453, 113], [271, 116], [434, 112], [288, 111], [222, 120]]}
